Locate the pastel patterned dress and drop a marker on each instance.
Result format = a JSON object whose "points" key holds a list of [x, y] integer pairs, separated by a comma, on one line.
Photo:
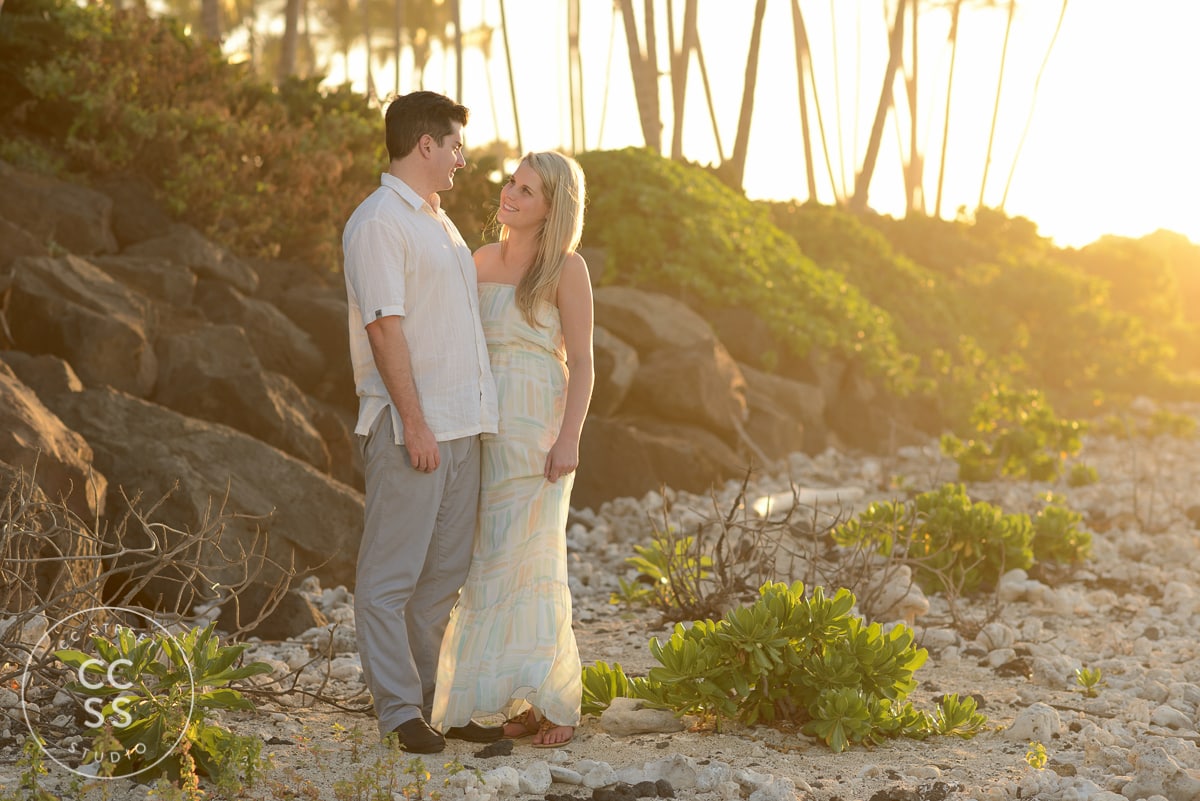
{"points": [[509, 641]]}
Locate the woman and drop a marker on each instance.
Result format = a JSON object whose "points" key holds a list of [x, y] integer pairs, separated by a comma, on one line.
{"points": [[509, 647]]}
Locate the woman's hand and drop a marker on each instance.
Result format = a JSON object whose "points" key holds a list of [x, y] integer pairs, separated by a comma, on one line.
{"points": [[562, 459]]}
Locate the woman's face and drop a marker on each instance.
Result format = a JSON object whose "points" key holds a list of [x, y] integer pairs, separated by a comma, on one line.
{"points": [[522, 201]]}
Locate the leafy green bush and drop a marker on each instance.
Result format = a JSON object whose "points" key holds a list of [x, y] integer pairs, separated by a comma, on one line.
{"points": [[268, 173], [1082, 475], [952, 542], [677, 229], [1018, 436], [924, 312], [601, 684], [669, 574], [790, 658], [1057, 536], [162, 679], [1051, 323], [1140, 279]]}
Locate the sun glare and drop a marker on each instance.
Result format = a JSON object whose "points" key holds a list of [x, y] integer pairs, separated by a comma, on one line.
{"points": [[1106, 145]]}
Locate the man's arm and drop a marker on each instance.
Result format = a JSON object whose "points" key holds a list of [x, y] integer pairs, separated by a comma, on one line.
{"points": [[390, 349]]}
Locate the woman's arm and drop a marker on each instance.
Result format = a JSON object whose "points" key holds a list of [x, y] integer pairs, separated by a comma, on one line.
{"points": [[575, 310]]}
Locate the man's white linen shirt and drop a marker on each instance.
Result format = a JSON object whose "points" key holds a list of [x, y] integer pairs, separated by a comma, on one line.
{"points": [[404, 258]]}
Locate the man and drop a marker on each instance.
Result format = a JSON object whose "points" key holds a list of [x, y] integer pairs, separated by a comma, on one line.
{"points": [[425, 394]]}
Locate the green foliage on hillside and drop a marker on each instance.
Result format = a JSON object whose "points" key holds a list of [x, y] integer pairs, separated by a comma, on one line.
{"points": [[923, 310], [268, 172], [943, 312], [676, 229], [1048, 323]]}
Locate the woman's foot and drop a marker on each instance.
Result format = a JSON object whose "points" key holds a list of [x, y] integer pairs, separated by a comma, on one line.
{"points": [[522, 725], [551, 735]]}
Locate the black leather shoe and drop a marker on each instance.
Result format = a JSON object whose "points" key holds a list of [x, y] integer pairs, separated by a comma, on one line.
{"points": [[416, 736], [475, 733]]}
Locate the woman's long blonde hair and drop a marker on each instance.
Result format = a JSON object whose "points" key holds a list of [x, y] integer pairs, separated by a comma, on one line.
{"points": [[563, 184]]}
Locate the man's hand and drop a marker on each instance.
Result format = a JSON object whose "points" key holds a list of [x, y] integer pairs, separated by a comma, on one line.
{"points": [[422, 448]]}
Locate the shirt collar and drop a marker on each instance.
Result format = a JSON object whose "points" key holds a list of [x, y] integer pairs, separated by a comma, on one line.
{"points": [[406, 192]]}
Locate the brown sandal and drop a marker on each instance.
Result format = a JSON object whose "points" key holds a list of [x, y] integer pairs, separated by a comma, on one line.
{"points": [[545, 727], [527, 722]]}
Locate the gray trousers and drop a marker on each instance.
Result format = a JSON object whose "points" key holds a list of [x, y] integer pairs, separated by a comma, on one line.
{"points": [[418, 532]]}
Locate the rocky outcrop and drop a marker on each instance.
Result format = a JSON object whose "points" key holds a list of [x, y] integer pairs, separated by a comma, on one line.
{"points": [[201, 468], [168, 367], [71, 308], [34, 439], [212, 373], [72, 217]]}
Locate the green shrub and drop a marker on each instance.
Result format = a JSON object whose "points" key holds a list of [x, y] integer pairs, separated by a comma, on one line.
{"points": [[951, 542], [670, 573], [1057, 536], [166, 678], [1050, 322], [269, 173], [677, 229], [785, 658], [601, 684], [1082, 475], [924, 312], [1018, 436]]}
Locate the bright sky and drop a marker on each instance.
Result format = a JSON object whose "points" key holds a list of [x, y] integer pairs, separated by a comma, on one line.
{"points": [[1113, 146]]}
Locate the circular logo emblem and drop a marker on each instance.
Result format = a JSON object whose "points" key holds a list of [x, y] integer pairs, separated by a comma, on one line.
{"points": [[131, 686]]}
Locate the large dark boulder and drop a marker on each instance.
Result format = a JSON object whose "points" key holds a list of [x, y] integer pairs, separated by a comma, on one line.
{"points": [[616, 367], [786, 416], [34, 439], [281, 345], [700, 385], [73, 217], [52, 496], [184, 245], [157, 278], [622, 457], [649, 321], [200, 468], [68, 307], [685, 374], [211, 372], [16, 243], [137, 214]]}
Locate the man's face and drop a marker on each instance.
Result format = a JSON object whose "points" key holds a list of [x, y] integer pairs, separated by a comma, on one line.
{"points": [[447, 158]]}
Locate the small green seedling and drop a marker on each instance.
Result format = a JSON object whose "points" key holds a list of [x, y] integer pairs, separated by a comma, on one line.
{"points": [[1036, 756], [1090, 681]]}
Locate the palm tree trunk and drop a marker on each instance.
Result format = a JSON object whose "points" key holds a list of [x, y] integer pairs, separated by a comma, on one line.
{"points": [[913, 170], [210, 19], [801, 41], [291, 37], [1033, 102], [680, 60], [644, 68], [741, 143], [365, 8], [712, 109], [456, 15], [397, 41], [306, 39], [937, 203], [512, 85], [575, 77], [987, 162], [862, 181]]}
